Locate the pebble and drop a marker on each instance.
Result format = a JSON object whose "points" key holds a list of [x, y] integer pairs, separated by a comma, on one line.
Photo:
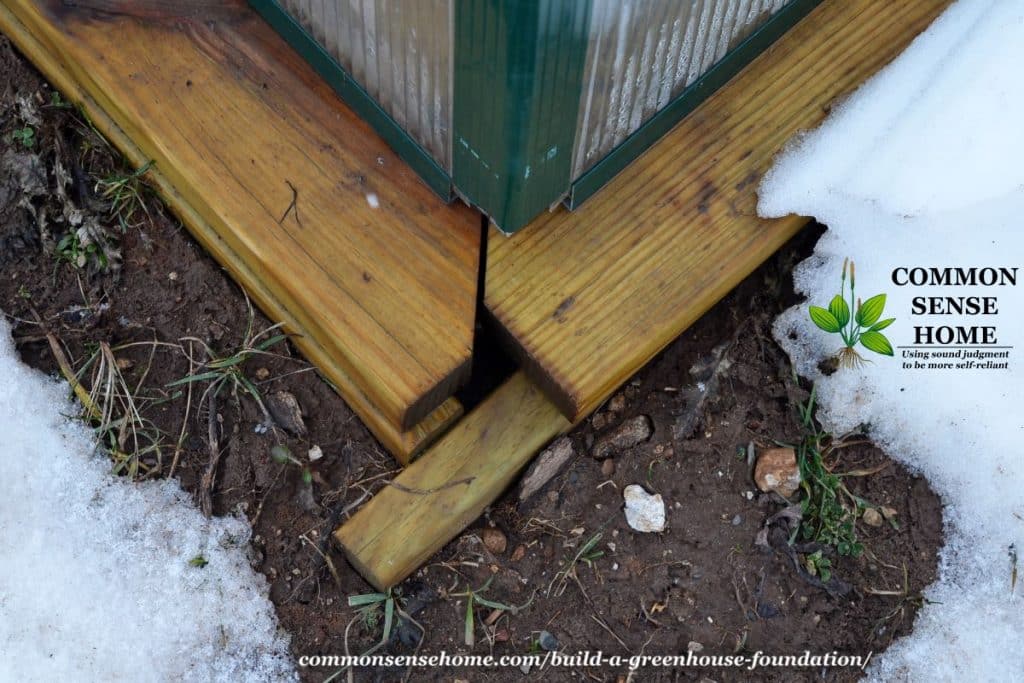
{"points": [[315, 453], [608, 467], [777, 470], [519, 553], [285, 410], [617, 404], [694, 646], [644, 512], [494, 540], [547, 641], [872, 517], [737, 520]]}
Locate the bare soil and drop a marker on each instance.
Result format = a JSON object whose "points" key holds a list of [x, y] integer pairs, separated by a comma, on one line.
{"points": [[704, 580]]}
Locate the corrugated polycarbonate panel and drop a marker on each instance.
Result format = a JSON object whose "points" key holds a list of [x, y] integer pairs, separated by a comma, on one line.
{"points": [[643, 53], [399, 51]]}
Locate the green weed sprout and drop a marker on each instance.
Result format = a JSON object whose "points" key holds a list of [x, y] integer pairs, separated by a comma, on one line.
{"points": [[26, 136], [474, 597], [863, 327]]}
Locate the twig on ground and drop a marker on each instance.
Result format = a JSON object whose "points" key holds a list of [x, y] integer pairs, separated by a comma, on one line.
{"points": [[603, 624], [293, 206], [206, 485], [184, 420]]}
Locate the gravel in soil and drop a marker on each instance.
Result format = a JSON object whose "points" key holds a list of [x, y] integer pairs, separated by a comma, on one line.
{"points": [[164, 307]]}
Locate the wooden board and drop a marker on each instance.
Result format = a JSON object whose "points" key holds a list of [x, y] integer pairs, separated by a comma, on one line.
{"points": [[368, 264], [404, 444], [448, 487], [588, 297]]}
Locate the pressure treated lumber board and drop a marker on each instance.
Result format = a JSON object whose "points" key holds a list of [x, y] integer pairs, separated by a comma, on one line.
{"points": [[448, 487], [404, 445], [369, 263], [587, 298]]}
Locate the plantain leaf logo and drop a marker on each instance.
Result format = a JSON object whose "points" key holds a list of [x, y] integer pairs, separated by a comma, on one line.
{"points": [[863, 327]]}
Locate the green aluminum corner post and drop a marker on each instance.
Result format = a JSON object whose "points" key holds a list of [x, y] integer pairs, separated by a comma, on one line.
{"points": [[517, 83]]}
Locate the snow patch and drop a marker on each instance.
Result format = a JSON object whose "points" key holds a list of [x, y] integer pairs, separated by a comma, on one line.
{"points": [[922, 167], [97, 579]]}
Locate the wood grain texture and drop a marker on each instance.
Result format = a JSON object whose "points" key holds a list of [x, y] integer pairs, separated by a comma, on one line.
{"points": [[440, 494], [404, 444], [587, 298], [234, 120]]}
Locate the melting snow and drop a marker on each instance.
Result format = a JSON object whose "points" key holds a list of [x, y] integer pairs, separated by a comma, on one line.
{"points": [[96, 581], [923, 167]]}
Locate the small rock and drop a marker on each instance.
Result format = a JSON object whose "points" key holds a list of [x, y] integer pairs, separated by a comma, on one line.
{"points": [[872, 517], [608, 467], [519, 553], [545, 467], [694, 647], [888, 512], [628, 434], [494, 539], [315, 453], [737, 520], [547, 641], [285, 410], [617, 404], [776, 470], [644, 512], [262, 374]]}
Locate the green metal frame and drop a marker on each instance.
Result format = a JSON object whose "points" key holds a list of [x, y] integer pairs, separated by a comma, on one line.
{"points": [[517, 86], [518, 70], [357, 98], [688, 100]]}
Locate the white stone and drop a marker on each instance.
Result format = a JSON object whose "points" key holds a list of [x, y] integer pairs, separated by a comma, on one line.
{"points": [[644, 512]]}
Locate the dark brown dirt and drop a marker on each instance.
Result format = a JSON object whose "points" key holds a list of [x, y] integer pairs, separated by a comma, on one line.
{"points": [[703, 580]]}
